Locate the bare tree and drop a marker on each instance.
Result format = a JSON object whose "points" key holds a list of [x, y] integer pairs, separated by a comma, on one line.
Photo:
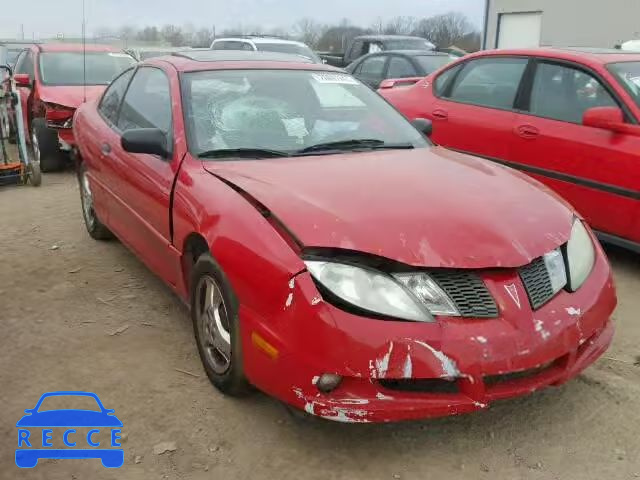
{"points": [[400, 26], [127, 33], [173, 35], [444, 30], [202, 38], [378, 26], [149, 34], [308, 31]]}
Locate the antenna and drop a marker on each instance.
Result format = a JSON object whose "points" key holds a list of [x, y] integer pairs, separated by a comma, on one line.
{"points": [[84, 56]]}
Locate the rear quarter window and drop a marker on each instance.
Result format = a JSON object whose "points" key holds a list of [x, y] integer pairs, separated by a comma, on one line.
{"points": [[489, 82], [442, 81]]}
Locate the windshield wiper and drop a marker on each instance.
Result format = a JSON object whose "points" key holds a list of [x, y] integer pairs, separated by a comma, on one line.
{"points": [[355, 144], [243, 153]]}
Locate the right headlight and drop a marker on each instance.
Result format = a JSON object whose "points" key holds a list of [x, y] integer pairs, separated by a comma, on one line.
{"points": [[367, 289], [581, 255], [409, 296]]}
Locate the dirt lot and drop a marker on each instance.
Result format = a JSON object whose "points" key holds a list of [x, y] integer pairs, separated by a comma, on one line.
{"points": [[64, 296]]}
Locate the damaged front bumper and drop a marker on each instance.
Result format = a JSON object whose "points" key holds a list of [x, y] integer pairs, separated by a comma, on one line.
{"points": [[396, 371]]}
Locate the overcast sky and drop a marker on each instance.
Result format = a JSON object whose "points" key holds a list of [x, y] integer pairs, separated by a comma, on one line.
{"points": [[46, 18]]}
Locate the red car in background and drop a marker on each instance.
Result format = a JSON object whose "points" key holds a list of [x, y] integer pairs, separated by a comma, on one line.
{"points": [[53, 82], [567, 117], [332, 256]]}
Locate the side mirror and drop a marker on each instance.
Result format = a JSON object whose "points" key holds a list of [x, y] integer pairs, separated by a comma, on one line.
{"points": [[399, 82], [424, 126], [22, 80], [609, 118], [152, 141]]}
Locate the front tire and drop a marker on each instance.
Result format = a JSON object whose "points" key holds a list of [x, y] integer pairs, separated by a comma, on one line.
{"points": [[44, 144], [214, 313], [95, 227]]}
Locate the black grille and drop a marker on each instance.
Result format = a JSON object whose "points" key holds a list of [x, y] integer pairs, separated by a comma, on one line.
{"points": [[537, 283], [468, 292], [421, 385], [492, 380]]}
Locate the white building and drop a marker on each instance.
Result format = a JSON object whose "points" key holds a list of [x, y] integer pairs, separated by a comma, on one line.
{"points": [[560, 23]]}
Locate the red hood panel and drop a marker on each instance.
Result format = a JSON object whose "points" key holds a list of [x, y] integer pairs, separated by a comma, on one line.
{"points": [[70, 96], [426, 207]]}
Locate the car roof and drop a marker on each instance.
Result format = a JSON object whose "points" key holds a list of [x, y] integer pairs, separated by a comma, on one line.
{"points": [[159, 49], [75, 47], [411, 53], [579, 55], [388, 37], [196, 60], [259, 39], [18, 45]]}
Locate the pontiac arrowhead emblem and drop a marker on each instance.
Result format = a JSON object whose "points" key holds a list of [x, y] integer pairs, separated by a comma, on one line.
{"points": [[513, 293]]}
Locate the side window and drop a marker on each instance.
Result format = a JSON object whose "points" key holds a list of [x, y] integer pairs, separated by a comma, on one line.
{"points": [[373, 67], [491, 82], [233, 45], [356, 50], [375, 47], [110, 103], [565, 93], [147, 103], [440, 85], [400, 67], [26, 65], [19, 61]]}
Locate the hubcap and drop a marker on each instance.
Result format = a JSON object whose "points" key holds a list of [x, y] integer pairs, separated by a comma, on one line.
{"points": [[35, 146], [213, 325], [87, 200], [6, 131]]}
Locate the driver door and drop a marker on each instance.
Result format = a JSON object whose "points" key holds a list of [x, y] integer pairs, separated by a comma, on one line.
{"points": [[25, 65], [142, 183]]}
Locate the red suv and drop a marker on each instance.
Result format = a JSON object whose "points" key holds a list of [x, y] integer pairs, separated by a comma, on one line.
{"points": [[567, 117], [54, 79]]}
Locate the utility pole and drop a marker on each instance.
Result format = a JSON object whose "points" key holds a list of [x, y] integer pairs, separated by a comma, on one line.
{"points": [[22, 31], [485, 27]]}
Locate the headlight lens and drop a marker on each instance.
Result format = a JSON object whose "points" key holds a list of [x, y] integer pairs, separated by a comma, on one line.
{"points": [[580, 255], [369, 290], [429, 293]]}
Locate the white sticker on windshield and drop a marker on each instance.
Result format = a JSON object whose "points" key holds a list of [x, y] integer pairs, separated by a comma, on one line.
{"points": [[340, 78], [295, 127], [119, 55], [635, 80]]}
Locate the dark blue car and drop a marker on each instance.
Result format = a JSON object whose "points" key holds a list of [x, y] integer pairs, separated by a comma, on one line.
{"points": [[27, 457]]}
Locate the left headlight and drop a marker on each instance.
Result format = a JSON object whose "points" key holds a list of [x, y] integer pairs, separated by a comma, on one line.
{"points": [[369, 290], [581, 255]]}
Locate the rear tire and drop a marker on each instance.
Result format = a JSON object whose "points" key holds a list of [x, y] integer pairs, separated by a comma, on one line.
{"points": [[95, 227], [214, 313], [45, 147]]}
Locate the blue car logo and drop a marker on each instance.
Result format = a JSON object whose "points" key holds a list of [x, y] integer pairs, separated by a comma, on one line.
{"points": [[32, 446]]}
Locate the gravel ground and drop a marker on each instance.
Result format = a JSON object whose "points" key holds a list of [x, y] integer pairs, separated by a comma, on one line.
{"points": [[83, 315]]}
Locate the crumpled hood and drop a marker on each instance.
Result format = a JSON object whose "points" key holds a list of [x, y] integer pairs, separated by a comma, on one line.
{"points": [[424, 207], [70, 96]]}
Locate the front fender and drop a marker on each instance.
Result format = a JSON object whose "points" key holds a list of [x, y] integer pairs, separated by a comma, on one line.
{"points": [[258, 261]]}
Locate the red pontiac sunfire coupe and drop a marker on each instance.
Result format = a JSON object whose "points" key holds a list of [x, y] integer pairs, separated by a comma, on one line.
{"points": [[332, 256]]}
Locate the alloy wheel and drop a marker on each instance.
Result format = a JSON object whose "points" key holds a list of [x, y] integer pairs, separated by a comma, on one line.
{"points": [[213, 325], [87, 200]]}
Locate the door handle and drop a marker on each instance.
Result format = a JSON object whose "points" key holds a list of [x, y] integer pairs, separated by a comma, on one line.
{"points": [[440, 114], [105, 149], [527, 131]]}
